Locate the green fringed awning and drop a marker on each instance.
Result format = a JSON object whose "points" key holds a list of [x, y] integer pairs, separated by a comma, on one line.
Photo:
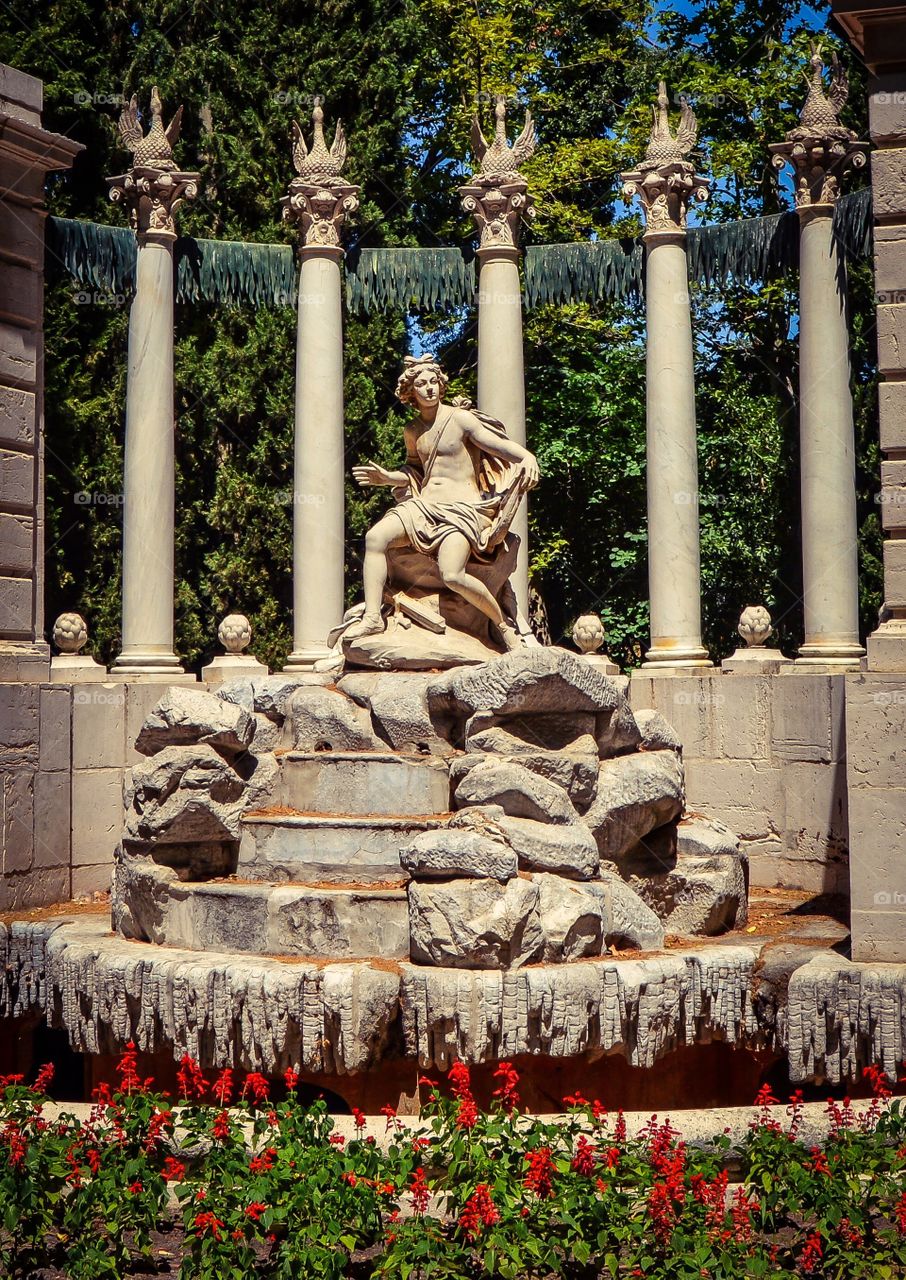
{"points": [[584, 272], [428, 279], [96, 256], [235, 271], [220, 271], [746, 251]]}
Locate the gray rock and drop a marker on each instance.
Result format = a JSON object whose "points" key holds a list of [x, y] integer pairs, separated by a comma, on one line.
{"points": [[616, 731], [575, 917], [657, 733], [260, 780], [399, 709], [698, 896], [633, 923], [450, 852], [268, 694], [268, 733], [549, 731], [525, 682], [184, 795], [185, 716], [518, 791], [475, 924], [324, 720], [636, 794], [573, 767], [564, 849], [699, 835]]}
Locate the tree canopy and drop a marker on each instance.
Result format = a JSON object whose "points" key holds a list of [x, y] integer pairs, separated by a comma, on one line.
{"points": [[406, 77]]}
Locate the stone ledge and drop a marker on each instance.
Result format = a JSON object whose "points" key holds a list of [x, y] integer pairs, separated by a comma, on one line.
{"points": [[831, 1016]]}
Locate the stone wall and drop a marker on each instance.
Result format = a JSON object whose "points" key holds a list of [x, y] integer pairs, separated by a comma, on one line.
{"points": [[766, 754]]}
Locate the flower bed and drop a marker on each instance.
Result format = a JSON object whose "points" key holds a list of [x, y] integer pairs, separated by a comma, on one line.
{"points": [[222, 1187]]}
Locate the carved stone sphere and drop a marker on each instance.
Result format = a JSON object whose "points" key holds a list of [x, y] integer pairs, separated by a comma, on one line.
{"points": [[755, 625], [70, 633], [588, 633], [235, 632]]}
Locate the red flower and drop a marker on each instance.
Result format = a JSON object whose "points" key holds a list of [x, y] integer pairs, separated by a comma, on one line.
{"points": [[190, 1079], [222, 1126], [45, 1078], [765, 1100], [900, 1211], [811, 1255], [222, 1088], [878, 1080], [419, 1191], [612, 1157], [14, 1138], [93, 1157], [263, 1162], [390, 1113], [291, 1076], [598, 1110], [255, 1210], [741, 1213], [174, 1170], [255, 1088], [585, 1158], [135, 1188], [539, 1176], [337, 1139], [818, 1162], [208, 1222], [479, 1211], [508, 1076], [350, 1177], [662, 1210], [461, 1082], [160, 1121], [619, 1133], [127, 1069], [359, 1118], [849, 1234], [575, 1100]]}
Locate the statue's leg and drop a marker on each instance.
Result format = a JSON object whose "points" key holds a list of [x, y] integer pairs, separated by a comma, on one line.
{"points": [[452, 558], [387, 533]]}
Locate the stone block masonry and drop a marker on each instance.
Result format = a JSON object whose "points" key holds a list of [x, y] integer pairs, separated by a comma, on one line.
{"points": [[766, 754]]}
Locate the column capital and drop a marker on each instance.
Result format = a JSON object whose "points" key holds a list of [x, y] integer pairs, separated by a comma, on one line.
{"points": [[319, 199], [665, 181], [155, 186], [820, 149], [497, 195]]}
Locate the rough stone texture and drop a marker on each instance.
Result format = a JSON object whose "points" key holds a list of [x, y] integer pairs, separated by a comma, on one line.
{"points": [[633, 923], [184, 795], [698, 896], [256, 1013], [547, 731], [526, 682], [616, 731], [657, 734], [705, 837], [151, 903], [575, 917], [475, 924], [449, 852], [636, 793], [337, 782], [185, 716], [268, 734], [574, 767], [326, 849], [399, 709], [564, 849], [324, 720], [268, 694], [519, 792]]}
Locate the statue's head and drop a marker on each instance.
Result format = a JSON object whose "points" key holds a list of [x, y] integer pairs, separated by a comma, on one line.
{"points": [[422, 382]]}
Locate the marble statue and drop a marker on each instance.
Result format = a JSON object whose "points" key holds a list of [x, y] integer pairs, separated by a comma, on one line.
{"points": [[457, 494]]}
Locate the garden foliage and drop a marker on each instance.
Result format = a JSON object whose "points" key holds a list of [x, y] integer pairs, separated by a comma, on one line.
{"points": [[242, 1185]]}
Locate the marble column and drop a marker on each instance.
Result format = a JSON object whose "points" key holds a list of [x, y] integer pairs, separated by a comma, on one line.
{"points": [[497, 196], [319, 202], [151, 191], [820, 149], [666, 182]]}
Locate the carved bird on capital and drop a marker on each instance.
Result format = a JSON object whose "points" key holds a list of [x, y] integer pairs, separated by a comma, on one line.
{"points": [[153, 150], [497, 159], [318, 163], [820, 114], [665, 147]]}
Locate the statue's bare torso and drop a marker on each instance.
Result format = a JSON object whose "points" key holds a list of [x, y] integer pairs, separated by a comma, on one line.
{"points": [[454, 472]]}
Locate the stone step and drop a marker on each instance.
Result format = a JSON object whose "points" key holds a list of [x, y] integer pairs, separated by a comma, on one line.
{"points": [[354, 783], [275, 920], [320, 848]]}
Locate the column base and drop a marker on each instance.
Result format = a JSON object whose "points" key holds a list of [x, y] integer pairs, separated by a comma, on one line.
{"points": [[683, 657], [159, 668], [305, 659], [232, 666], [76, 668], [847, 656], [755, 660]]}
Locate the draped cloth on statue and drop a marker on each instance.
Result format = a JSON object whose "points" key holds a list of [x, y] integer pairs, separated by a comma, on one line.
{"points": [[484, 523]]}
